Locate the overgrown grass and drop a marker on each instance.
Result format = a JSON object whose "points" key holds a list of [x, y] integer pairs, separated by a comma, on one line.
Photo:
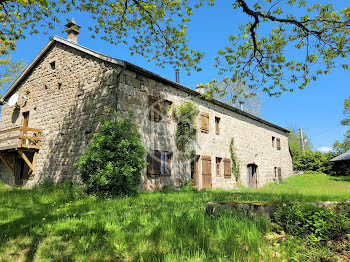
{"points": [[60, 223]]}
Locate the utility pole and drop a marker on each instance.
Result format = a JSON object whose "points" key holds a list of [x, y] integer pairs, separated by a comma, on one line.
{"points": [[302, 141]]}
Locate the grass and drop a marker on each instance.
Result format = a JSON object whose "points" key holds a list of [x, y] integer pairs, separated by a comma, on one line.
{"points": [[60, 223]]}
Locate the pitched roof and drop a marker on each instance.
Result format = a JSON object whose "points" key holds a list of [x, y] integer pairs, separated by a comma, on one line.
{"points": [[126, 65], [342, 157]]}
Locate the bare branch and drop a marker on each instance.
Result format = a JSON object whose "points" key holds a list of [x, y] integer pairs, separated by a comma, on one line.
{"points": [[257, 14]]}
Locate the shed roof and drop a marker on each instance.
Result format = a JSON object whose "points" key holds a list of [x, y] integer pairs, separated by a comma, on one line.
{"points": [[126, 65], [342, 157]]}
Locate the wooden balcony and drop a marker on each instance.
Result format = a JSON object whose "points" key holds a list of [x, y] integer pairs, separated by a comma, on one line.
{"points": [[19, 140], [20, 137]]}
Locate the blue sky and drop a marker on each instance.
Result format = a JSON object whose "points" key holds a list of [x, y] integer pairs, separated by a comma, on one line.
{"points": [[317, 109]]}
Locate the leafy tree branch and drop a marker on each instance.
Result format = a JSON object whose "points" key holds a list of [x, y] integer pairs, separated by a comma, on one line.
{"points": [[261, 56], [263, 61]]}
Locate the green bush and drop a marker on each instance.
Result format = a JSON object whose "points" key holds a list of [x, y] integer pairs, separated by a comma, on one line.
{"points": [[312, 223], [313, 161], [112, 164]]}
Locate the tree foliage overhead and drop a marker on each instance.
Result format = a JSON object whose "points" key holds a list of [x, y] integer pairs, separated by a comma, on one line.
{"points": [[238, 95], [153, 29], [344, 146], [9, 69], [259, 55]]}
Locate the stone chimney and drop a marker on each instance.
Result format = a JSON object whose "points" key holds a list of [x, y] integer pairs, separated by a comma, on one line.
{"points": [[72, 31], [200, 88]]}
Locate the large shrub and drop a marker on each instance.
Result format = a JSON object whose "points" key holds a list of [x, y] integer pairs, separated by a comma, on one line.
{"points": [[313, 161], [112, 164], [312, 223]]}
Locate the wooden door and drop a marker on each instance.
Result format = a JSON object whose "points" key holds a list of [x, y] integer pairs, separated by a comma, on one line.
{"points": [[206, 172], [19, 166], [22, 171], [194, 171], [255, 177], [252, 176]]}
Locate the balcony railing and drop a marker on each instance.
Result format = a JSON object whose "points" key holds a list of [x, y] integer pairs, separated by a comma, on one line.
{"points": [[20, 137]]}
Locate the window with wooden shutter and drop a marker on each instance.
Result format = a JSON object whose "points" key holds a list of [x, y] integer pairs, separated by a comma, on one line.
{"points": [[154, 163], [153, 108], [217, 125], [157, 162], [275, 174], [204, 122], [166, 162], [169, 163], [159, 109], [279, 175], [218, 166], [278, 142], [166, 110], [273, 141], [150, 165], [227, 168]]}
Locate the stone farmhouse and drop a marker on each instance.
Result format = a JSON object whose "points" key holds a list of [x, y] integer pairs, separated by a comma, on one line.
{"points": [[50, 113]]}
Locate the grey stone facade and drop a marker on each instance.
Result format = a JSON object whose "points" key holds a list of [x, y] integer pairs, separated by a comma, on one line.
{"points": [[69, 89]]}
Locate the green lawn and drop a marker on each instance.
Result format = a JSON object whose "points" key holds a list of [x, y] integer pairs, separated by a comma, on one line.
{"points": [[61, 224]]}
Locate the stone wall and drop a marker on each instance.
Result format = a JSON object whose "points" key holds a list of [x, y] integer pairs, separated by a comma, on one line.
{"points": [[66, 101], [253, 139], [69, 101], [6, 175]]}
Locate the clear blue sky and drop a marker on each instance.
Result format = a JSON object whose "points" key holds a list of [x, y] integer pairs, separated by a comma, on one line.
{"points": [[317, 109]]}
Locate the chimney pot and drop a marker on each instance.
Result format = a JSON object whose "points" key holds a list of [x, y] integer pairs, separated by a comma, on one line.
{"points": [[72, 31], [177, 75]]}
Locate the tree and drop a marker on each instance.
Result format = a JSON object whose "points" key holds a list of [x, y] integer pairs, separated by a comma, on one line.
{"points": [[238, 95], [258, 56], [9, 70], [342, 147], [294, 143]]}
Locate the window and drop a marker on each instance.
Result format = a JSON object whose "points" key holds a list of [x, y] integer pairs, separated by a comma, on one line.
{"points": [[159, 163], [278, 142], [279, 173], [276, 174], [53, 65], [227, 168], [25, 118], [273, 141], [204, 122], [166, 164], [218, 166], [159, 109], [217, 125]]}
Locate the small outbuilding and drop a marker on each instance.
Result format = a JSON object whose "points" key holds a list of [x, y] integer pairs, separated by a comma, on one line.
{"points": [[342, 164], [342, 158]]}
